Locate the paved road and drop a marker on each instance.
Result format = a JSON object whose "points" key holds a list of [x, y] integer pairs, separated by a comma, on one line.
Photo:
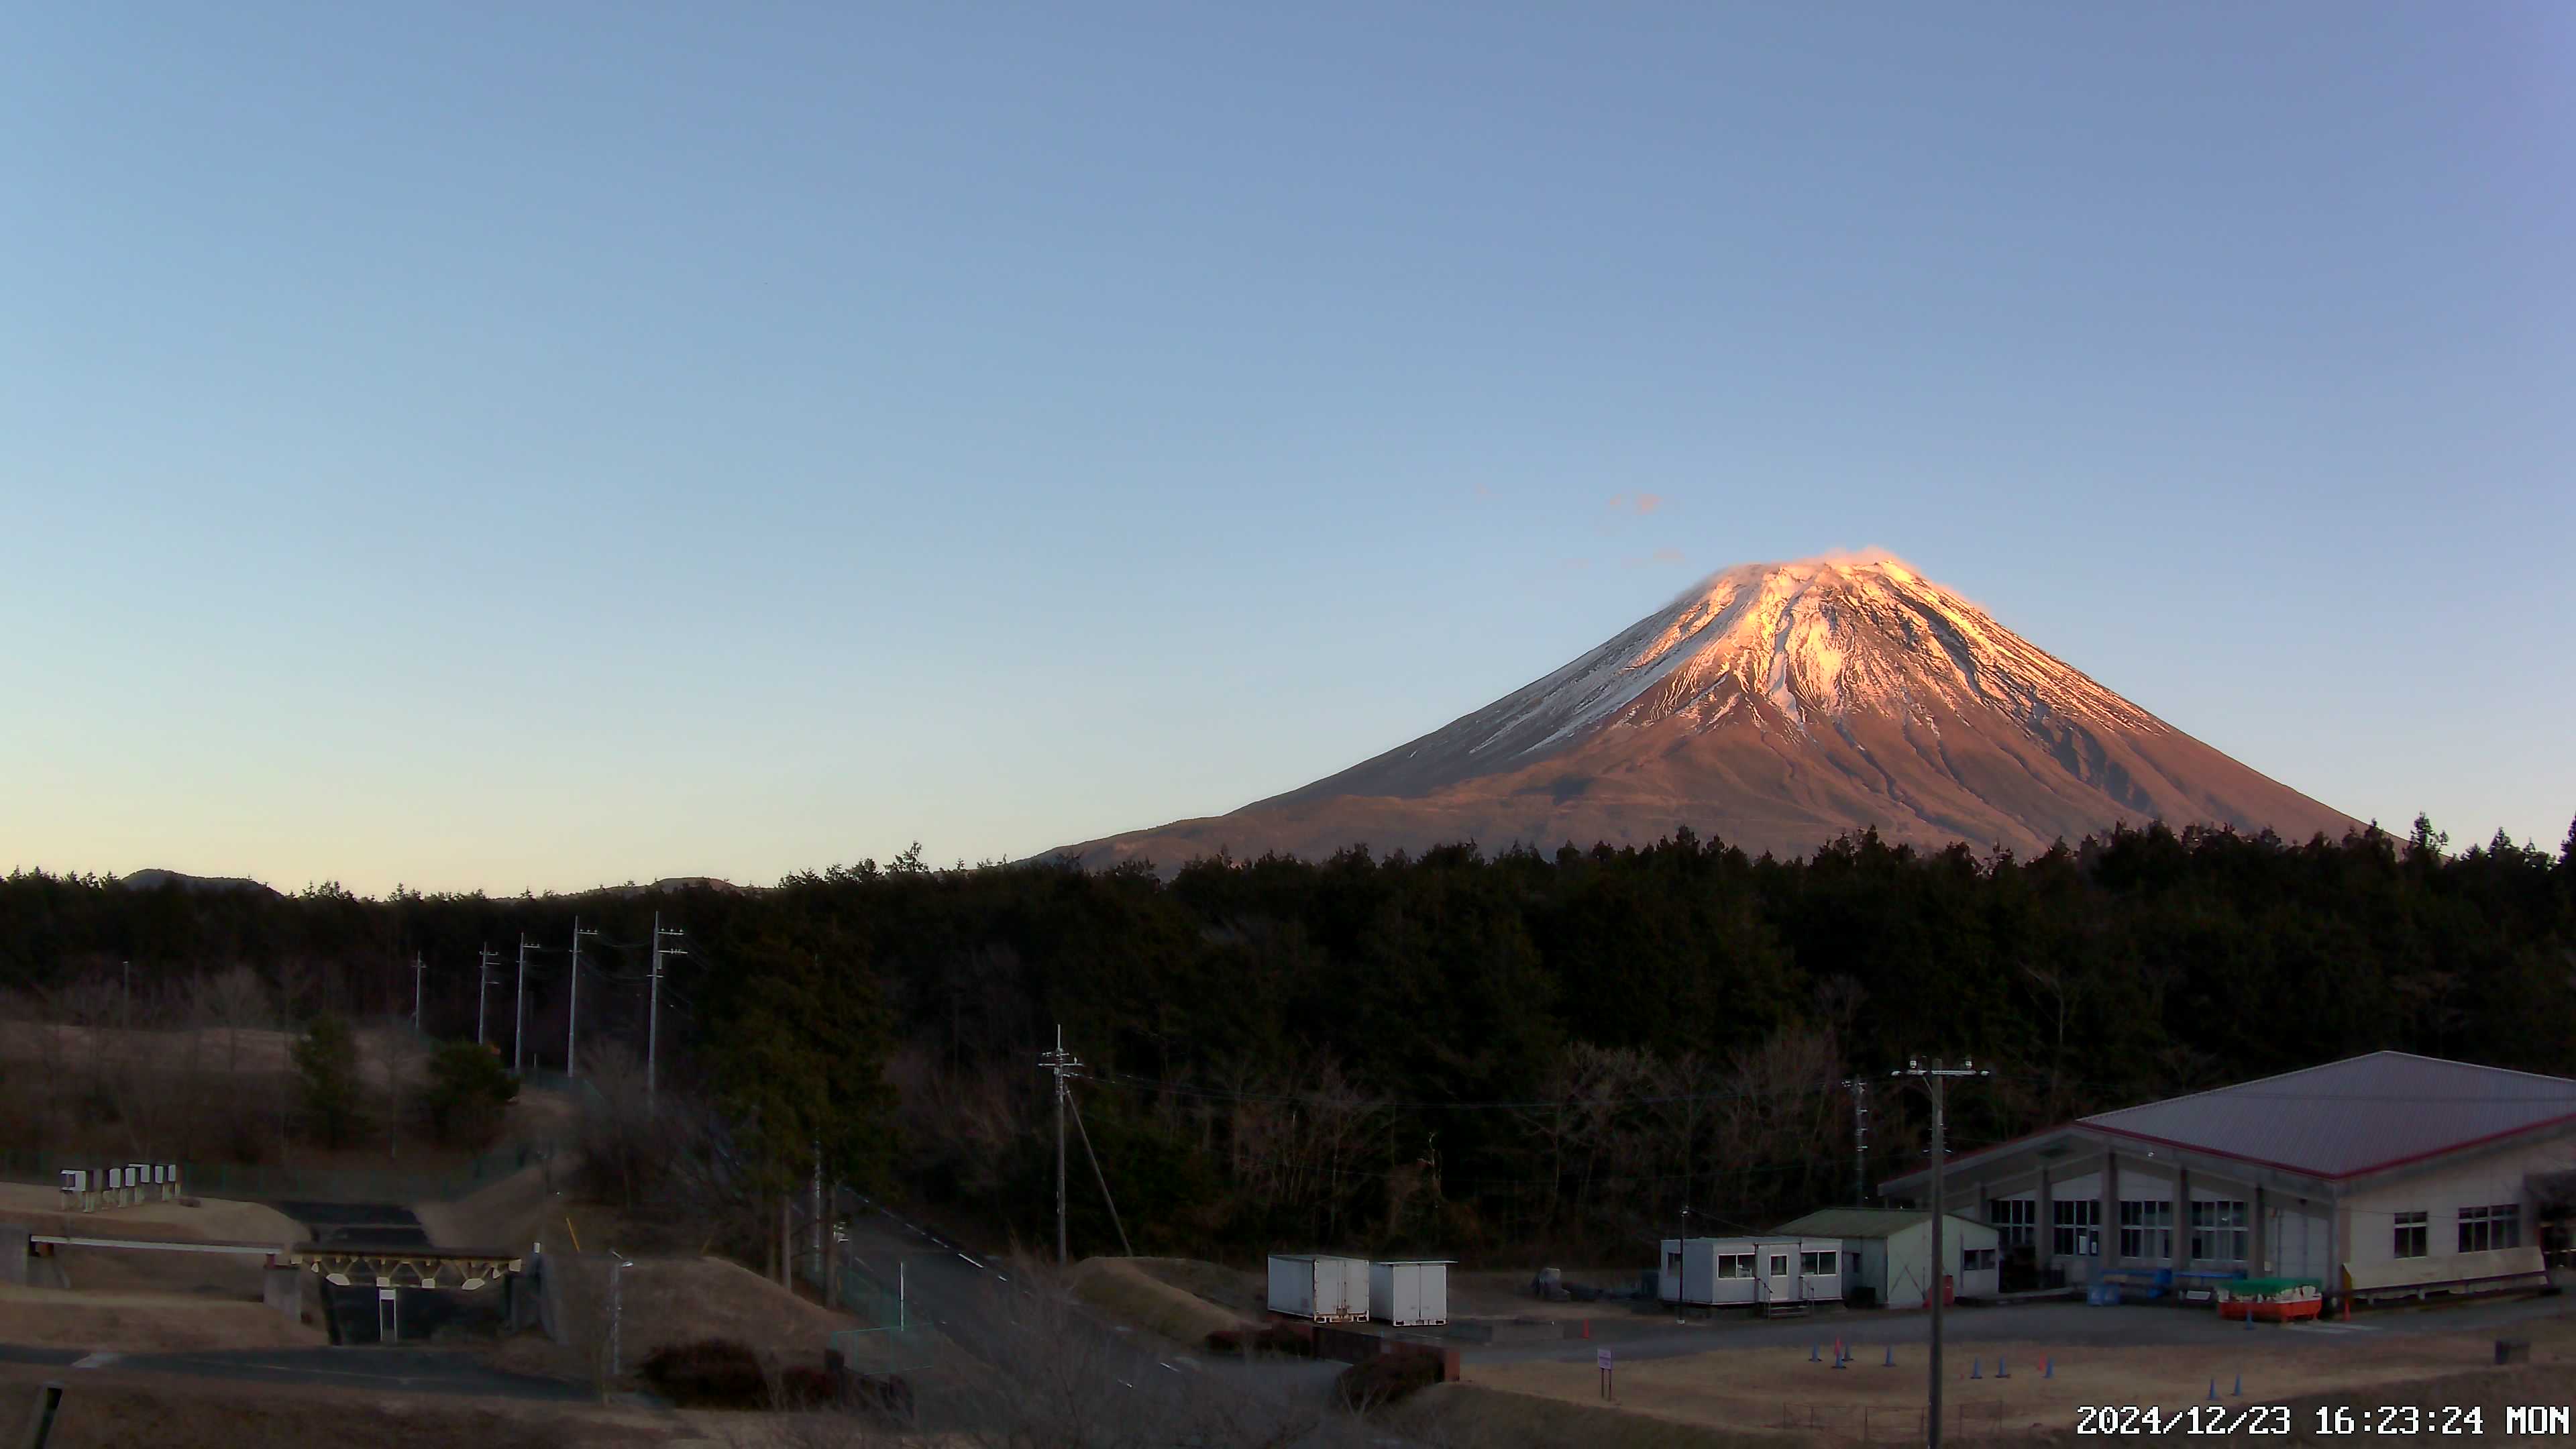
{"points": [[966, 1297], [404, 1370]]}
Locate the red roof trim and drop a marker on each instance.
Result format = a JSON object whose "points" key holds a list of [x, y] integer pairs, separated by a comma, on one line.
{"points": [[2395, 1162], [2391, 1164]]}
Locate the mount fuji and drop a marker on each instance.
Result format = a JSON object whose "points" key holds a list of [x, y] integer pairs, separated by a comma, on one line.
{"points": [[1774, 706]]}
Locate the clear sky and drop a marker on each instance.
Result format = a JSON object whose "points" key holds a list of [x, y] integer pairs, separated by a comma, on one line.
{"points": [[514, 446]]}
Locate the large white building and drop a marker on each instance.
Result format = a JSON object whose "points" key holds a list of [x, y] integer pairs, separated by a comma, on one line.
{"points": [[2387, 1175]]}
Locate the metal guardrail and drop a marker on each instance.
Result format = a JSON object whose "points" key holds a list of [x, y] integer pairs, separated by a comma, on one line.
{"points": [[262, 1183]]}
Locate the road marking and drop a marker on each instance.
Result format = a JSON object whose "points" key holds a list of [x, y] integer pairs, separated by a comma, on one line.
{"points": [[969, 1261], [97, 1360]]}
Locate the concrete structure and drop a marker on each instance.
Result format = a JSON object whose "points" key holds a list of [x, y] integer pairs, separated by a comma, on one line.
{"points": [[1323, 1289], [1887, 1253], [1412, 1293], [2383, 1176], [1768, 1272]]}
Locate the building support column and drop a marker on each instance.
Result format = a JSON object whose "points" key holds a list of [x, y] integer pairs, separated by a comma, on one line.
{"points": [[2043, 1232], [2182, 1219], [2257, 1241], [2110, 1214]]}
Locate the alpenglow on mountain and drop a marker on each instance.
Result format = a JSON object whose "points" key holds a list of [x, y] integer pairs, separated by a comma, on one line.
{"points": [[1776, 707]]}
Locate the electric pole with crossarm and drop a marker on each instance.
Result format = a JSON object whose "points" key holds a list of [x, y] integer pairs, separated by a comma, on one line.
{"points": [[1935, 1077], [653, 1014], [1064, 1064]]}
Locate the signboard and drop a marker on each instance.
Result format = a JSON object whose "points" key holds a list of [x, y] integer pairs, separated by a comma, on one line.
{"points": [[1604, 1357]]}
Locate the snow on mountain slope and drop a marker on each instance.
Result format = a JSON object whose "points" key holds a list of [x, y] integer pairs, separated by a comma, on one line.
{"points": [[1775, 706]]}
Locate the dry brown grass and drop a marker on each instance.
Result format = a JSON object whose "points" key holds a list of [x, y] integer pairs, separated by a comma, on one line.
{"points": [[667, 1301], [1759, 1388], [1125, 1289], [1465, 1415], [145, 1323], [107, 1409]]}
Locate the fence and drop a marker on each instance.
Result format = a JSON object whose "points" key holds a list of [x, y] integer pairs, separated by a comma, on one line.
{"points": [[887, 1340], [253, 1183]]}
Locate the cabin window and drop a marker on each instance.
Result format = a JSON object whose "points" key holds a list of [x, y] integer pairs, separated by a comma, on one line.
{"points": [[1816, 1265], [2485, 1228], [2146, 1229], [1779, 1265], [1977, 1260], [1735, 1265], [1673, 1263], [2411, 1232]]}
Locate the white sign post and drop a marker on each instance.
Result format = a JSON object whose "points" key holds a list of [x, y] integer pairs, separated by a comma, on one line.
{"points": [[1608, 1394]]}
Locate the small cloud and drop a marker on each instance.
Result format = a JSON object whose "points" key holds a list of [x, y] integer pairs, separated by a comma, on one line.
{"points": [[1660, 558], [1484, 492], [1639, 503]]}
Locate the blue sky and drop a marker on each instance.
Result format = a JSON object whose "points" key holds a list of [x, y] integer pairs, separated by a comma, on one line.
{"points": [[532, 446]]}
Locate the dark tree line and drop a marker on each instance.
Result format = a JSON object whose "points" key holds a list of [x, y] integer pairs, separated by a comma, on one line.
{"points": [[1456, 1051]]}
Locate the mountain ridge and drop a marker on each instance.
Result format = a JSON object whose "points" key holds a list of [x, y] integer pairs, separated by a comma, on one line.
{"points": [[1775, 706]]}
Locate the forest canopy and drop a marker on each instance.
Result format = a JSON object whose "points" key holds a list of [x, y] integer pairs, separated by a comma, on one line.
{"points": [[1456, 1051]]}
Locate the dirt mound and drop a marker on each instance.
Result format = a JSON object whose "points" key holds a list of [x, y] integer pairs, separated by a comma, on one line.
{"points": [[1236, 1289], [133, 1270], [1126, 1288], [144, 1323], [512, 1213], [666, 1302]]}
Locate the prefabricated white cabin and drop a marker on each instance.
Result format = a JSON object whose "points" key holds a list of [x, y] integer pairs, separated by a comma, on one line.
{"points": [[1325, 1289], [1751, 1272], [1410, 1294]]}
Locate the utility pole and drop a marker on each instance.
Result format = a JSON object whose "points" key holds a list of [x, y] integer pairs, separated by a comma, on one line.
{"points": [[1064, 1065], [1860, 1139], [519, 1010], [572, 1024], [653, 1015], [1935, 1076], [419, 980], [482, 988]]}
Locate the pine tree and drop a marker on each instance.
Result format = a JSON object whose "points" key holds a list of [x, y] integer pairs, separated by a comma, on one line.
{"points": [[326, 1060]]}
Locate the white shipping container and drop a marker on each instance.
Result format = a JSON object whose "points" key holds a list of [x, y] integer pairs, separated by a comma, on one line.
{"points": [[1410, 1294], [1327, 1290]]}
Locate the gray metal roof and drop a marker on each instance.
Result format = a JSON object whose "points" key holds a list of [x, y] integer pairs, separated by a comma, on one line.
{"points": [[1867, 1222], [2354, 1116]]}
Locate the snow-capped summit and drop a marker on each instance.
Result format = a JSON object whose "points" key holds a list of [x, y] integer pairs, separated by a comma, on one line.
{"points": [[1776, 706]]}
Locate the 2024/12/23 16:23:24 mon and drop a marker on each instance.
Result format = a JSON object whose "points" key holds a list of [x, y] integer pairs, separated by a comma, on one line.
{"points": [[2330, 1421]]}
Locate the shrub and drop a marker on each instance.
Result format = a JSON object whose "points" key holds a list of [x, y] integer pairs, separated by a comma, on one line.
{"points": [[1376, 1382], [465, 1094], [804, 1387], [712, 1373]]}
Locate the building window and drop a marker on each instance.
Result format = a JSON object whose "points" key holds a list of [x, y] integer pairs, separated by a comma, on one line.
{"points": [[2078, 1227], [1816, 1265], [1735, 1265], [1976, 1260], [2146, 1229], [1779, 1265], [1673, 1264], [2218, 1231], [2411, 1232], [2486, 1228], [2014, 1219]]}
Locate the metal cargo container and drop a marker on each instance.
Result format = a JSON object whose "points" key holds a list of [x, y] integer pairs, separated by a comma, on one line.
{"points": [[1327, 1290], [1410, 1293]]}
